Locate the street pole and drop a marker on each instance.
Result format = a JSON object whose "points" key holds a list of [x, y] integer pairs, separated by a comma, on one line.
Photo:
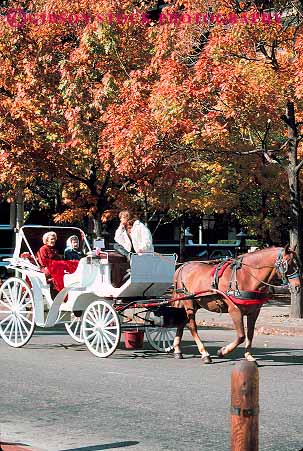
{"points": [[245, 407], [200, 234]]}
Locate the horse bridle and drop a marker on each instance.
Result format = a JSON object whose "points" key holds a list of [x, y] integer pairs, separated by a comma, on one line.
{"points": [[281, 266]]}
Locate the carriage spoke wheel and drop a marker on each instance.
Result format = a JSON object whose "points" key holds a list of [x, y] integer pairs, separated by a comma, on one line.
{"points": [[74, 328], [101, 328], [17, 312], [160, 338]]}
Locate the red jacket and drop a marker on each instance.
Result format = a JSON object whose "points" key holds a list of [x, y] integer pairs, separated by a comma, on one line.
{"points": [[47, 253]]}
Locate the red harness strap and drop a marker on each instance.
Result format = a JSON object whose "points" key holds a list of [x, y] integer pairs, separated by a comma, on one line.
{"points": [[240, 301], [248, 298], [221, 270]]}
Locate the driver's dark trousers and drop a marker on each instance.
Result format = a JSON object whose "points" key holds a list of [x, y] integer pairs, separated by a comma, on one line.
{"points": [[121, 250]]}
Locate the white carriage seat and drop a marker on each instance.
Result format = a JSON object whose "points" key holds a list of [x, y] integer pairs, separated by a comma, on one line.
{"points": [[77, 277], [88, 270]]}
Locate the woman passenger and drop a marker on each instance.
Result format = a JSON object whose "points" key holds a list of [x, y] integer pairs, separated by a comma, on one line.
{"points": [[48, 251], [72, 250]]}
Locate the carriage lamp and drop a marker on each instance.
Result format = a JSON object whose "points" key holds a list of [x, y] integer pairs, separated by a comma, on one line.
{"points": [[188, 236], [242, 237]]}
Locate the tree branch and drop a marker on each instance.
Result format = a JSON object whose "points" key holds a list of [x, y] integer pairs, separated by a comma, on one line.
{"points": [[6, 93], [286, 120], [76, 177], [298, 167]]}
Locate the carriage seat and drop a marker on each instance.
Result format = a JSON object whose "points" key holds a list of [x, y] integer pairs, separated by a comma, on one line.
{"points": [[57, 269], [77, 277], [119, 266]]}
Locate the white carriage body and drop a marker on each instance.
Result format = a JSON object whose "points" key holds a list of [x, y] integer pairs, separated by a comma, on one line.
{"points": [[150, 276]]}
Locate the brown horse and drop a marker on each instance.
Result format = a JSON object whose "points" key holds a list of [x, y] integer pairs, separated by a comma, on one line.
{"points": [[237, 286]]}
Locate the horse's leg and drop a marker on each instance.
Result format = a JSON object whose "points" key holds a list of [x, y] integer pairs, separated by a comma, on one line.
{"points": [[177, 343], [237, 317], [251, 321], [192, 325]]}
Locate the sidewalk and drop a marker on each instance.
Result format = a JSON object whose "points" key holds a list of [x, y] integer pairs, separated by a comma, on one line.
{"points": [[273, 319]]}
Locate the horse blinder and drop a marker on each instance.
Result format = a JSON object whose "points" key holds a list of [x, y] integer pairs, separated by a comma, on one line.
{"points": [[282, 266]]}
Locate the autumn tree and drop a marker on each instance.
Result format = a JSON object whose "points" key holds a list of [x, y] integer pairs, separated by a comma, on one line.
{"points": [[68, 73], [224, 91]]}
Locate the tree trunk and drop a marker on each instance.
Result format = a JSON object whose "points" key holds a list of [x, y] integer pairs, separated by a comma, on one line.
{"points": [[296, 308], [19, 205], [182, 241], [145, 209], [12, 214], [97, 226]]}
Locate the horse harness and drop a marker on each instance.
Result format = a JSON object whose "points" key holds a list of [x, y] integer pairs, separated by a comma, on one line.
{"points": [[234, 294]]}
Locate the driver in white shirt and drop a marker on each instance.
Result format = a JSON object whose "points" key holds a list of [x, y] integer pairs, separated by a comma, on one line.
{"points": [[132, 236]]}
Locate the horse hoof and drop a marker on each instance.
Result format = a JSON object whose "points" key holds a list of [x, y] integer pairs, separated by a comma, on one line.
{"points": [[220, 353], [249, 357], [178, 355], [206, 359]]}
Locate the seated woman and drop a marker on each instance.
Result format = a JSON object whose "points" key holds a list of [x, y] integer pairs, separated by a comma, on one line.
{"points": [[46, 255], [72, 250], [48, 251], [132, 236], [52, 264]]}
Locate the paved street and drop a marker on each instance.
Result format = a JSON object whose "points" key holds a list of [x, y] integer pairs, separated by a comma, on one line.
{"points": [[57, 396]]}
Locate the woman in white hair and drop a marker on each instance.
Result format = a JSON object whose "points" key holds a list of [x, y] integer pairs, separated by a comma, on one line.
{"points": [[72, 251], [48, 251]]}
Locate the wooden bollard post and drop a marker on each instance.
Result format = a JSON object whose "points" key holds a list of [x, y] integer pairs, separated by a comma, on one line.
{"points": [[245, 407]]}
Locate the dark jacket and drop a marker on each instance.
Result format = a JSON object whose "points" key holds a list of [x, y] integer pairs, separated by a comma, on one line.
{"points": [[72, 254]]}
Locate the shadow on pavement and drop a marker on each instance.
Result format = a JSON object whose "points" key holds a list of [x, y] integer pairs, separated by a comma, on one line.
{"points": [[11, 446], [102, 447], [278, 356]]}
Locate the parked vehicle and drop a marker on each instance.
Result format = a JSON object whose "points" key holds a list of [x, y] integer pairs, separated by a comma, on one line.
{"points": [[215, 254], [4, 270]]}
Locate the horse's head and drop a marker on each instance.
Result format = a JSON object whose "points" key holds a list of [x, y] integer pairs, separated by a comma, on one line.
{"points": [[288, 268]]}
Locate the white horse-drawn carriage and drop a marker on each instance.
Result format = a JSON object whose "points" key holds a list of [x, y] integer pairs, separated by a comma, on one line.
{"points": [[93, 307]]}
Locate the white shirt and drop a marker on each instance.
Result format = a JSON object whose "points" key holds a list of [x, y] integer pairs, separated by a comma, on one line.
{"points": [[140, 235]]}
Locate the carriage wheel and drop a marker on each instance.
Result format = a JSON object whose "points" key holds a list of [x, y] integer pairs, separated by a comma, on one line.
{"points": [[17, 312], [101, 328], [74, 328], [160, 338]]}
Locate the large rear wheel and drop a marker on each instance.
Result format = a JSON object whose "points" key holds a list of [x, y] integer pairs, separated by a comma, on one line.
{"points": [[17, 312], [160, 338], [101, 328]]}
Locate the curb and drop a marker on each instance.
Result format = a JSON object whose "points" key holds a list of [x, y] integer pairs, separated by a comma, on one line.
{"points": [[292, 331]]}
